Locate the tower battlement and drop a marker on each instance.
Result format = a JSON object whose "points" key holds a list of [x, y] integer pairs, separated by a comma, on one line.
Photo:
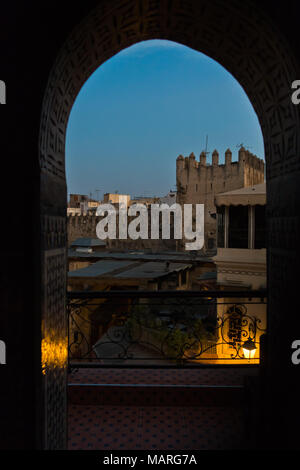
{"points": [[245, 158], [199, 182]]}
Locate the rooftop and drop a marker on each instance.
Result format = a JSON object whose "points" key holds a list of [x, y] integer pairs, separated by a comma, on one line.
{"points": [[100, 268], [127, 269], [250, 195], [152, 270], [178, 257], [88, 242], [208, 275]]}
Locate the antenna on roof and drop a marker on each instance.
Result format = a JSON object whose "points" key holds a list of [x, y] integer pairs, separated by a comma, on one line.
{"points": [[246, 147], [206, 144]]}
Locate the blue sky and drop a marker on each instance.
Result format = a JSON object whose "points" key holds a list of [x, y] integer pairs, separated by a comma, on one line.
{"points": [[142, 108]]}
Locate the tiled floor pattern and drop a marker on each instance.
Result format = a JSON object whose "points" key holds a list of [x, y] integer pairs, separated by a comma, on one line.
{"points": [[151, 428], [155, 395], [199, 376]]}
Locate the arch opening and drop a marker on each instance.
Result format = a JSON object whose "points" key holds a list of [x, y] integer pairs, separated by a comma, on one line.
{"points": [[242, 41]]}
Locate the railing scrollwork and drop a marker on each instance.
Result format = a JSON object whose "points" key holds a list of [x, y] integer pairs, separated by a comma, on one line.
{"points": [[139, 328]]}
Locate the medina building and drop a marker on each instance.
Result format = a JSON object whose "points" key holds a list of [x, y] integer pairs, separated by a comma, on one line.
{"points": [[199, 183], [101, 315], [241, 265], [258, 44]]}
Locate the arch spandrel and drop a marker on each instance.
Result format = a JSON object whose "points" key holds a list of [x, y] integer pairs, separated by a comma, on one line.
{"points": [[236, 36]]}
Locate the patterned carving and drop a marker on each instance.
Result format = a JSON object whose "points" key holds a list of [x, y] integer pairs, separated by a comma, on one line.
{"points": [[53, 232], [240, 38], [54, 348], [233, 33]]}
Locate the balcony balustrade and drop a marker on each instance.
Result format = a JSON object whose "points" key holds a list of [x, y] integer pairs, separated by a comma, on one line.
{"points": [[165, 328]]}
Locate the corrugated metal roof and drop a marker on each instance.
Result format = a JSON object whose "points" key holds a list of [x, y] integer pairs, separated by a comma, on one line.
{"points": [[127, 269], [180, 257], [101, 268], [152, 270]]}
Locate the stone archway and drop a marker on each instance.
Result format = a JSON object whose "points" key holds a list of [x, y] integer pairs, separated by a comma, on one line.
{"points": [[241, 39]]}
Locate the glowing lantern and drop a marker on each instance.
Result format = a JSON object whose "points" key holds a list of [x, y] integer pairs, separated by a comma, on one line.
{"points": [[249, 349]]}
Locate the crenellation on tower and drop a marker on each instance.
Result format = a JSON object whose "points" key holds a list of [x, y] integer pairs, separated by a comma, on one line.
{"points": [[228, 157], [202, 159], [199, 182], [242, 155], [215, 158]]}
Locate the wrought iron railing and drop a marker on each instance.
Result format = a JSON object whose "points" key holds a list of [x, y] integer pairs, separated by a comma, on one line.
{"points": [[165, 328]]}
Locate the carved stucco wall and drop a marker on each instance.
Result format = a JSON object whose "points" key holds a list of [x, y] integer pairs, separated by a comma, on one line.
{"points": [[236, 35]]}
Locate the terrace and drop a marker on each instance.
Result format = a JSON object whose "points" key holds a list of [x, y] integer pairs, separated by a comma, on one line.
{"points": [[164, 385]]}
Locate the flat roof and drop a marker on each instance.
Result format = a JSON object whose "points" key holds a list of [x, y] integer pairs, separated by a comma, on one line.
{"points": [[88, 242]]}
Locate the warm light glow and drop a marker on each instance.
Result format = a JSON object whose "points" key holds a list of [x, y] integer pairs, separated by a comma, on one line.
{"points": [[54, 353], [249, 350]]}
